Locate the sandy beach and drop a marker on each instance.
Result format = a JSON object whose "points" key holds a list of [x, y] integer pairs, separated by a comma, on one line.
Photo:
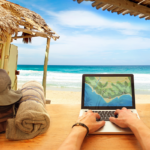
{"points": [[73, 97]]}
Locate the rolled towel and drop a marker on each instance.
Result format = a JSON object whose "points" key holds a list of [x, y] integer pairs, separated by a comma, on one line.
{"points": [[32, 118]]}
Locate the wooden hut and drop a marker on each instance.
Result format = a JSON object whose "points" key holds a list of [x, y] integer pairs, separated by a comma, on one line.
{"points": [[139, 8], [14, 19]]}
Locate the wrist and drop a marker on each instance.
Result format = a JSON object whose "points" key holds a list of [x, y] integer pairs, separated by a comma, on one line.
{"points": [[133, 123], [80, 130], [82, 125]]}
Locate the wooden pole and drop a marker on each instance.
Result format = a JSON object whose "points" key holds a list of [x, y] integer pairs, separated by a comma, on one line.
{"points": [[42, 34], [45, 65], [2, 56], [2, 42], [6, 55], [20, 37]]}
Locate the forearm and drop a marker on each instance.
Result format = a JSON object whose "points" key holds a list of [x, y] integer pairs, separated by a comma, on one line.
{"points": [[75, 139], [142, 133]]}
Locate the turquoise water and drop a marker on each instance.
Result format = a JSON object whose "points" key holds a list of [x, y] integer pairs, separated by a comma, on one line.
{"points": [[70, 77], [89, 69]]}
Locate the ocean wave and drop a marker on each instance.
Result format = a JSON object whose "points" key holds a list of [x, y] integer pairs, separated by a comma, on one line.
{"points": [[74, 80], [141, 78]]}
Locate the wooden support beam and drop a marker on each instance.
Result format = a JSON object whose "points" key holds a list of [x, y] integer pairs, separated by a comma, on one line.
{"points": [[111, 8], [146, 2], [6, 55], [114, 10], [28, 36], [16, 34], [142, 16], [125, 12], [2, 56], [146, 17], [42, 34], [96, 3], [2, 42], [56, 36], [127, 5], [100, 5], [134, 14], [141, 2], [79, 1], [121, 11], [117, 10], [45, 65], [106, 6]]}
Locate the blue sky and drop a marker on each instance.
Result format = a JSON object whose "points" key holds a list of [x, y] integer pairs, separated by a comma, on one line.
{"points": [[87, 36]]}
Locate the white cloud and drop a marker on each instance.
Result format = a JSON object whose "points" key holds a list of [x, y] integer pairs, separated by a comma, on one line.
{"points": [[87, 19], [82, 49], [78, 47], [90, 44]]}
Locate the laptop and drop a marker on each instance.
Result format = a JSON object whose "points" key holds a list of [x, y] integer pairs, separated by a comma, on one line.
{"points": [[103, 94]]}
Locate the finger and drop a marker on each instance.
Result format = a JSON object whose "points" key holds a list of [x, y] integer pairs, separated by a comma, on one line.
{"points": [[129, 110], [124, 108], [101, 124], [112, 119], [90, 111], [136, 115], [97, 115], [84, 113], [117, 111], [81, 118]]}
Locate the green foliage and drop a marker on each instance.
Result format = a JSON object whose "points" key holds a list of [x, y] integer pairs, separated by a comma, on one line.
{"points": [[126, 84], [129, 79], [120, 84], [109, 95], [117, 89], [100, 84], [104, 85], [91, 78], [87, 80]]}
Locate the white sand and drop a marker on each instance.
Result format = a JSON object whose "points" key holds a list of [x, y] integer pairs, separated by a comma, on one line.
{"points": [[69, 97]]}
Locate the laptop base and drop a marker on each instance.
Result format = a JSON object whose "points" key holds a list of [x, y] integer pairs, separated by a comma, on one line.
{"points": [[111, 128]]}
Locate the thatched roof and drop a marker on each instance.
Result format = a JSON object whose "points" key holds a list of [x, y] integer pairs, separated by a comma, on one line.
{"points": [[13, 18], [132, 7]]}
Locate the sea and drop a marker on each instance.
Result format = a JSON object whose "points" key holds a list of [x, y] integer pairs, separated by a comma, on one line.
{"points": [[69, 78]]}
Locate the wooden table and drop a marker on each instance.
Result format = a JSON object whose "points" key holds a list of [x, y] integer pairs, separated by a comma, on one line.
{"points": [[62, 118]]}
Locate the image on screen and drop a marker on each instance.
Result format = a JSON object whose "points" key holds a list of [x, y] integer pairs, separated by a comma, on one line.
{"points": [[107, 91]]}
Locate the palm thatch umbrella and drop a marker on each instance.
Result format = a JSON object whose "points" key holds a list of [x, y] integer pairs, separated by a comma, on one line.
{"points": [[139, 8], [14, 19]]}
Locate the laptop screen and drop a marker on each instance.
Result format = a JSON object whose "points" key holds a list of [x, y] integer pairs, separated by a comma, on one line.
{"points": [[108, 91]]}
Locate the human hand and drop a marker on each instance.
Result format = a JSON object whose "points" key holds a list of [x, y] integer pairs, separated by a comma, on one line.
{"points": [[89, 119], [125, 118]]}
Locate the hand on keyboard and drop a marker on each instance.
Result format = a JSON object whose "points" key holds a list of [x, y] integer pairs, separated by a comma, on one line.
{"points": [[104, 115], [125, 117], [89, 119]]}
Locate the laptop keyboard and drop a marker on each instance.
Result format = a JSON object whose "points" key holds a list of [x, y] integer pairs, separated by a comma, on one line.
{"points": [[104, 115]]}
